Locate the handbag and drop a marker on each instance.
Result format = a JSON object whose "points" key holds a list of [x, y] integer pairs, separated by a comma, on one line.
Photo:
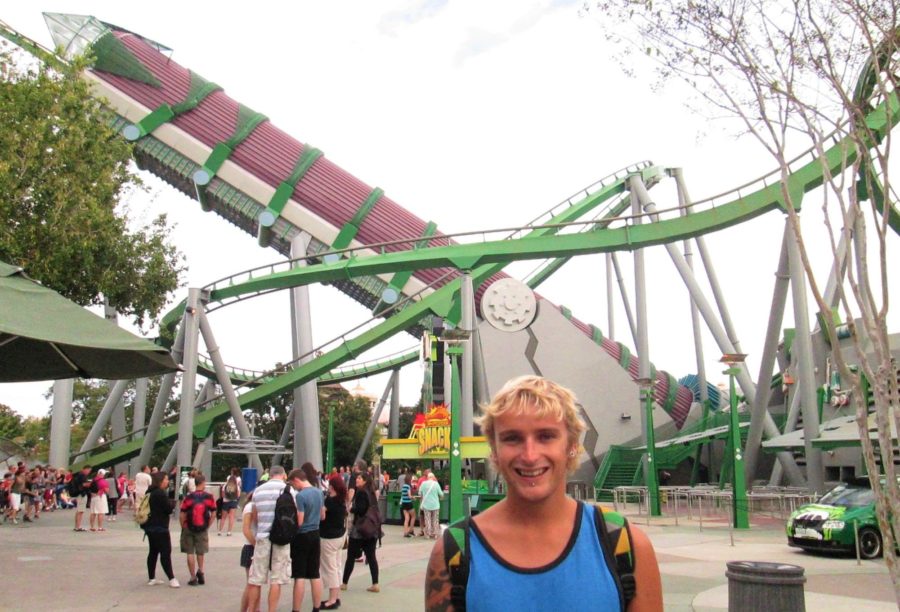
{"points": [[368, 526]]}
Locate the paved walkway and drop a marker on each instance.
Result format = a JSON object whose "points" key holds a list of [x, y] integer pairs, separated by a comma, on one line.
{"points": [[47, 566]]}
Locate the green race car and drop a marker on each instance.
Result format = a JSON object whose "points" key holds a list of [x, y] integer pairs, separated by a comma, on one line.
{"points": [[828, 523]]}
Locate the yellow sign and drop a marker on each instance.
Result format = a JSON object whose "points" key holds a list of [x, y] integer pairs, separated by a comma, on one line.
{"points": [[434, 440], [432, 431]]}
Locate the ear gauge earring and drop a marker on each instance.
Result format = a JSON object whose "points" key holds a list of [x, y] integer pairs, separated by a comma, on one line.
{"points": [[571, 453]]}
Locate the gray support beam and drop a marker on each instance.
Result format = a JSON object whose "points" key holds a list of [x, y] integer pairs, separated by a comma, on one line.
{"points": [[795, 476], [156, 418], [191, 323], [61, 422], [375, 415], [394, 420], [710, 269], [610, 303], [482, 388], [117, 425], [138, 417], [642, 343], [624, 293], [684, 203], [203, 456], [467, 323], [766, 367], [307, 433], [215, 354], [112, 401], [170, 462], [802, 350], [285, 436], [790, 424]]}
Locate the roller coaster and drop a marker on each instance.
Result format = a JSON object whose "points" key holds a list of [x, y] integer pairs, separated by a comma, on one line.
{"points": [[339, 231]]}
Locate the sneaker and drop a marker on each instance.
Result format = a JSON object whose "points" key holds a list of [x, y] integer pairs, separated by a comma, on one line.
{"points": [[201, 578], [374, 589], [154, 582], [174, 583], [228, 534]]}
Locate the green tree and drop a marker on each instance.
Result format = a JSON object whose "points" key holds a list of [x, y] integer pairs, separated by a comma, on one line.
{"points": [[799, 75], [351, 420], [63, 173], [11, 425]]}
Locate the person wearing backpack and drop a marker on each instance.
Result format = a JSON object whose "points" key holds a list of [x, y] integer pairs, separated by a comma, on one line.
{"points": [[231, 493], [271, 563], [196, 512], [78, 490], [538, 549]]}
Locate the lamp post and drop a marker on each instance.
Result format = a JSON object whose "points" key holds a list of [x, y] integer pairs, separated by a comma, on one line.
{"points": [[650, 471], [455, 340], [739, 485]]}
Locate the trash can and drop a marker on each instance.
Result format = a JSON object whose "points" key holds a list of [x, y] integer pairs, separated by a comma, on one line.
{"points": [[248, 479], [762, 585]]}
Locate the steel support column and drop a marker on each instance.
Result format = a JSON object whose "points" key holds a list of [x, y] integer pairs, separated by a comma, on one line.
{"points": [[156, 418], [394, 419], [375, 415], [643, 348], [240, 423], [112, 401], [724, 343], [61, 422], [191, 322], [770, 346], [467, 323], [803, 357], [307, 433]]}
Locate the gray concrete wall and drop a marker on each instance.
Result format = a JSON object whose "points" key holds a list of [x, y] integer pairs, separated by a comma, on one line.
{"points": [[552, 347]]}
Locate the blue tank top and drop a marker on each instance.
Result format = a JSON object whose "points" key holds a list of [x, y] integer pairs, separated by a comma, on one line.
{"points": [[579, 579]]}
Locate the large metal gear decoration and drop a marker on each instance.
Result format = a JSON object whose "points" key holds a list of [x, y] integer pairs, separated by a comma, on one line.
{"points": [[509, 305]]}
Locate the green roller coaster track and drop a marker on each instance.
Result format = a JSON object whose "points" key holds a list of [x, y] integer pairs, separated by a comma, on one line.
{"points": [[546, 241]]}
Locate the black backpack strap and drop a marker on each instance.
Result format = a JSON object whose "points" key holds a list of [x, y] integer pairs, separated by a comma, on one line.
{"points": [[456, 557], [615, 541]]}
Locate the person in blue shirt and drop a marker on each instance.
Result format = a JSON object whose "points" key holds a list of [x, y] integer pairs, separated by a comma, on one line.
{"points": [[538, 549], [305, 547], [406, 504]]}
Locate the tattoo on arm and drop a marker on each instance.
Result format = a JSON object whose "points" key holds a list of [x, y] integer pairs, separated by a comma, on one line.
{"points": [[437, 582]]}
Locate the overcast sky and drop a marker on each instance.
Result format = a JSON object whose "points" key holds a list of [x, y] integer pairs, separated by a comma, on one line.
{"points": [[475, 115]]}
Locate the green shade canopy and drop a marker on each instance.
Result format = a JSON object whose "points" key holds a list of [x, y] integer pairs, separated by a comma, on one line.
{"points": [[44, 336]]}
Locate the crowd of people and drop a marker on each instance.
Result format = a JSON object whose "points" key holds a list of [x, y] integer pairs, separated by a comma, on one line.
{"points": [[537, 545], [26, 492]]}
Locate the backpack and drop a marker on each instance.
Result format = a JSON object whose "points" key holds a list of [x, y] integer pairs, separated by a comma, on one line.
{"points": [[74, 487], [198, 511], [615, 542], [94, 488], [284, 525], [231, 490], [142, 512]]}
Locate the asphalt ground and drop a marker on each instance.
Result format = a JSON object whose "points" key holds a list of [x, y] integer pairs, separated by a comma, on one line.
{"points": [[45, 565]]}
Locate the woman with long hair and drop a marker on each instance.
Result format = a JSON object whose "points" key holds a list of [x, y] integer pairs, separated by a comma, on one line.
{"points": [[359, 540], [406, 504], [157, 530], [230, 494], [332, 534], [311, 473]]}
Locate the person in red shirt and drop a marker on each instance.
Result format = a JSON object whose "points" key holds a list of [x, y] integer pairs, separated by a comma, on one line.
{"points": [[196, 511]]}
